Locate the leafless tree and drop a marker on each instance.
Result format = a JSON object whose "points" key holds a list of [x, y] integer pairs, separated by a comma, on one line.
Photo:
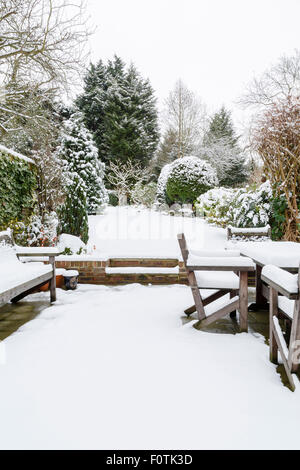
{"points": [[185, 115], [280, 81], [277, 140], [123, 176], [42, 48]]}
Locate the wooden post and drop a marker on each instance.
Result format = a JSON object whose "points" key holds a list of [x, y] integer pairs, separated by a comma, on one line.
{"points": [[260, 300], [295, 332], [243, 308], [232, 294], [273, 312], [52, 280]]}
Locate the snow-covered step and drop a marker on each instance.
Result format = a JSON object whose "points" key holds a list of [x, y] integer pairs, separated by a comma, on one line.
{"points": [[141, 270]]}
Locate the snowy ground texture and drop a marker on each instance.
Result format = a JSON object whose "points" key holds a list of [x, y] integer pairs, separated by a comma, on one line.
{"points": [[117, 368], [110, 367], [130, 232]]}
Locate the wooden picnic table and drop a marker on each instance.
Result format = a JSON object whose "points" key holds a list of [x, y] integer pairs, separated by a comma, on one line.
{"points": [[285, 255]]}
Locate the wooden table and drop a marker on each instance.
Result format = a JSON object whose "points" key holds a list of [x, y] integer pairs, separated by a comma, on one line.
{"points": [[285, 255]]}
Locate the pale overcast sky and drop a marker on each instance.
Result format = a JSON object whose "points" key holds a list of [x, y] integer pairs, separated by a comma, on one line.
{"points": [[214, 46]]}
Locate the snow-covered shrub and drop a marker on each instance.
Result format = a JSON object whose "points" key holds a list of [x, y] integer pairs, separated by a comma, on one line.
{"points": [[144, 193], [71, 245], [244, 207], [252, 207], [162, 184], [43, 232], [188, 178], [36, 231], [215, 205]]}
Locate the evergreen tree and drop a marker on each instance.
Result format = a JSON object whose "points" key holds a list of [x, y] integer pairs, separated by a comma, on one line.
{"points": [[80, 157], [220, 147], [72, 213], [120, 110], [221, 127]]}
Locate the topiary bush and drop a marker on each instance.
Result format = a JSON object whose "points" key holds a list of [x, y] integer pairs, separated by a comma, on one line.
{"points": [[17, 187], [188, 178]]}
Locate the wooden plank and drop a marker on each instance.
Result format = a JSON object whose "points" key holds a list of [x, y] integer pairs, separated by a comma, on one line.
{"points": [[260, 299], [283, 357], [37, 252], [273, 312], [278, 288], [23, 287], [220, 313], [208, 300], [219, 268], [196, 295], [266, 291], [243, 307]]}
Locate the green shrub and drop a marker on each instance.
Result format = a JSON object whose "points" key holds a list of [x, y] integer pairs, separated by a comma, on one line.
{"points": [[17, 189], [188, 178], [113, 199]]}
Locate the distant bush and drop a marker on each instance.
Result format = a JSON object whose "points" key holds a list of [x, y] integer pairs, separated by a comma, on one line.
{"points": [[113, 199], [244, 207], [184, 180], [144, 194]]}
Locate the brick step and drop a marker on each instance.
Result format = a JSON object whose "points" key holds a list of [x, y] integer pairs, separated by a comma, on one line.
{"points": [[136, 270], [142, 262]]}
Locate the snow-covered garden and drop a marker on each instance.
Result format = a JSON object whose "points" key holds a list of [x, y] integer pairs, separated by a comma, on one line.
{"points": [[167, 235]]}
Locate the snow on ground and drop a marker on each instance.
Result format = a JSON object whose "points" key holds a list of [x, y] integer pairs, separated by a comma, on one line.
{"points": [[116, 368], [130, 231]]}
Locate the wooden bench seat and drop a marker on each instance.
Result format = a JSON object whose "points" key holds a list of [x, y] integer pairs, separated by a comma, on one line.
{"points": [[19, 279]]}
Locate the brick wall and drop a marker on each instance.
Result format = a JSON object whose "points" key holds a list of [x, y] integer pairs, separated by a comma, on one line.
{"points": [[93, 272]]}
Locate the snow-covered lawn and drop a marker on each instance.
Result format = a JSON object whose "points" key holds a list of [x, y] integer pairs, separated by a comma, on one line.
{"points": [[117, 368], [129, 231]]}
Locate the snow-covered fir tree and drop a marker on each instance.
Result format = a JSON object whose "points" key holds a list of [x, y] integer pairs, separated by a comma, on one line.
{"points": [[73, 218], [79, 156], [119, 107], [220, 147]]}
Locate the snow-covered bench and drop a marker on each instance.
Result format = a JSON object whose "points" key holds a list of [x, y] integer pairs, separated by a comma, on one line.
{"points": [[250, 234], [287, 304], [19, 279]]}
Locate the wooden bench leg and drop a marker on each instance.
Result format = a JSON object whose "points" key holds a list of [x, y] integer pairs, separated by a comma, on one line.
{"points": [[53, 280], [273, 312], [243, 308], [232, 294]]}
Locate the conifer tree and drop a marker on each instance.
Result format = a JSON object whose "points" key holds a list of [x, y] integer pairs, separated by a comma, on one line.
{"points": [[120, 110], [220, 147], [79, 155], [73, 212]]}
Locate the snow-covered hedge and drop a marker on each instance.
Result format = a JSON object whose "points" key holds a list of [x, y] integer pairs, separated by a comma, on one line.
{"points": [[243, 207], [184, 180], [17, 187]]}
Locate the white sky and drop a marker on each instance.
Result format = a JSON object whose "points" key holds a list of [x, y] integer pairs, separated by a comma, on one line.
{"points": [[214, 46]]}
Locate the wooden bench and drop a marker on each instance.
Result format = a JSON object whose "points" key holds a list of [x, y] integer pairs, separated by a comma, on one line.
{"points": [[19, 279], [244, 234], [284, 297]]}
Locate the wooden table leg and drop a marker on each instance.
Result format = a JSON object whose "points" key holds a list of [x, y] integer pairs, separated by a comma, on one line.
{"points": [[243, 309], [273, 312], [52, 280]]}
